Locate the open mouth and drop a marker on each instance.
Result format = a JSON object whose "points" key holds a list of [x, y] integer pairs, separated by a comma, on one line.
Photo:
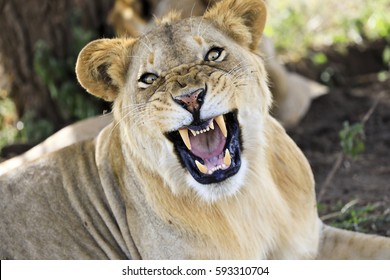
{"points": [[210, 149]]}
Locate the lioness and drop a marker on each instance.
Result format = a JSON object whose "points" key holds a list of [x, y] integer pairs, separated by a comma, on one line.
{"points": [[193, 166]]}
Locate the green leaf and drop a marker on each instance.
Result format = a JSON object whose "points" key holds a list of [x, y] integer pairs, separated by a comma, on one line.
{"points": [[386, 55], [352, 139], [319, 58]]}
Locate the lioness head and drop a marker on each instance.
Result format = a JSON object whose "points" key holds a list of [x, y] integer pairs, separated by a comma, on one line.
{"points": [[190, 97]]}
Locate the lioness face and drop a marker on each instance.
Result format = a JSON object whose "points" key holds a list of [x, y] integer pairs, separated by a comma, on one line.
{"points": [[195, 91], [192, 105]]}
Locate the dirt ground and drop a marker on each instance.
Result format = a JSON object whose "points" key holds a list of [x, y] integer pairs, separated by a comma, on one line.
{"points": [[361, 186]]}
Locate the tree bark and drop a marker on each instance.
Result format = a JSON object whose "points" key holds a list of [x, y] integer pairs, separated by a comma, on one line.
{"points": [[23, 24]]}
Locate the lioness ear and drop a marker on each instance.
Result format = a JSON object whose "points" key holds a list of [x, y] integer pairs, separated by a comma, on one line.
{"points": [[102, 65], [242, 20]]}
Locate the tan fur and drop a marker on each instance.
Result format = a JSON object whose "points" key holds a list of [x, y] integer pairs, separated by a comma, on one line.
{"points": [[229, 222], [126, 17], [171, 17], [112, 58], [338, 244], [126, 194], [292, 93], [244, 21], [238, 227]]}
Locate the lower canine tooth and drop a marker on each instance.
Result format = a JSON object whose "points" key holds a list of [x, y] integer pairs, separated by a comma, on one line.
{"points": [[186, 139], [221, 123], [227, 160], [202, 168]]}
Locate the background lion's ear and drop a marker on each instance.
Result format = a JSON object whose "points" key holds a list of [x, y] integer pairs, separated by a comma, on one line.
{"points": [[242, 20], [102, 65]]}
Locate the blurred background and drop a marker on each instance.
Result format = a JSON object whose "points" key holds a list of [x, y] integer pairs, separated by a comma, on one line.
{"points": [[344, 45]]}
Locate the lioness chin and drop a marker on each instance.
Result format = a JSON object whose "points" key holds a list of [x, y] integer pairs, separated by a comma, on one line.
{"points": [[193, 167]]}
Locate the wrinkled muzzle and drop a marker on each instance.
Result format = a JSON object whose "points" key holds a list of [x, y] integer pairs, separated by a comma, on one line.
{"points": [[208, 148]]}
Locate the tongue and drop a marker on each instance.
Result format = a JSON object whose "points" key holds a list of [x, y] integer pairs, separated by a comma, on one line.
{"points": [[208, 145]]}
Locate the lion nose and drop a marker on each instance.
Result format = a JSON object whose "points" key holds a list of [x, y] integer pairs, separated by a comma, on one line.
{"points": [[191, 101]]}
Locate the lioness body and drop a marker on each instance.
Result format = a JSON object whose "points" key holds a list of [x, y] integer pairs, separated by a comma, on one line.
{"points": [[192, 167], [82, 210]]}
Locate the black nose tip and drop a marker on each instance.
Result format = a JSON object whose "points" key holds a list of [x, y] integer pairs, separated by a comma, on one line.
{"points": [[192, 101]]}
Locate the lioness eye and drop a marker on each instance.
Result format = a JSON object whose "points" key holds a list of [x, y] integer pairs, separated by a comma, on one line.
{"points": [[148, 78], [215, 54]]}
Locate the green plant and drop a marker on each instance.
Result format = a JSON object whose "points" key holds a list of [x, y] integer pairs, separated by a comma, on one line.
{"points": [[352, 139], [386, 54], [59, 77], [32, 129], [355, 217], [319, 58], [302, 25]]}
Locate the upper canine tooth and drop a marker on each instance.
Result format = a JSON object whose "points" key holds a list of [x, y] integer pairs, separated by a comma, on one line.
{"points": [[227, 160], [221, 123], [186, 139], [202, 168]]}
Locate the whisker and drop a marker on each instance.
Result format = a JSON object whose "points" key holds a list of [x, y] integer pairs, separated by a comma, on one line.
{"points": [[146, 45], [191, 17], [243, 74], [201, 21], [205, 29], [135, 105], [117, 124], [200, 24], [234, 70], [208, 5], [140, 105], [134, 111], [147, 38], [267, 58]]}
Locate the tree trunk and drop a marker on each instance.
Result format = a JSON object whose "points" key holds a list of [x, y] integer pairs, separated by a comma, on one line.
{"points": [[23, 24]]}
